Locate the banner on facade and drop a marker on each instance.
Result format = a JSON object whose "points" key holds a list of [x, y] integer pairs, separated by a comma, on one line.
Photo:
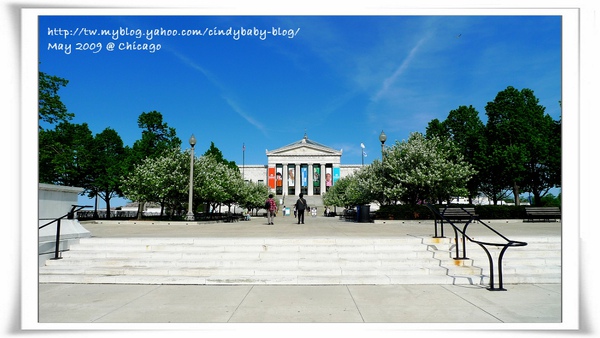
{"points": [[279, 175], [316, 176], [304, 176], [291, 177], [328, 177], [271, 178], [336, 174]]}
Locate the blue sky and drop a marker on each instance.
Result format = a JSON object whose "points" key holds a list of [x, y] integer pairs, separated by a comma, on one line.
{"points": [[339, 79]]}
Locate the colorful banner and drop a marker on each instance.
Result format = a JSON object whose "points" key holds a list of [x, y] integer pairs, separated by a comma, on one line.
{"points": [[336, 174], [291, 176], [279, 176], [304, 176], [271, 178], [316, 176], [328, 177]]}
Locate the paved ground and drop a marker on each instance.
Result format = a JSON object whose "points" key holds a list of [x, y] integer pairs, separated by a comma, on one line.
{"points": [[450, 305]]}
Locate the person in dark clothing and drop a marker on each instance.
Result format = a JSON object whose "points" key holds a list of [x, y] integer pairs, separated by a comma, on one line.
{"points": [[300, 207]]}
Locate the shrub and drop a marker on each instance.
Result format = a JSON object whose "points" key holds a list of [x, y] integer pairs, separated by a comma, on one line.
{"points": [[420, 212]]}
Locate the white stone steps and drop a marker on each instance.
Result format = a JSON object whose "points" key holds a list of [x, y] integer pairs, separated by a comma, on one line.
{"points": [[404, 260]]}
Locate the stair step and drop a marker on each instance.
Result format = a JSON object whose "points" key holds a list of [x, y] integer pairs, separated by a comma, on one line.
{"points": [[264, 279]]}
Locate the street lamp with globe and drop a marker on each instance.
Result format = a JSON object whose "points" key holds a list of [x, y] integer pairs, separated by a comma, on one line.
{"points": [[190, 213]]}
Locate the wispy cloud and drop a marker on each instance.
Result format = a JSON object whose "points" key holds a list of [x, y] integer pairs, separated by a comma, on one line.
{"points": [[390, 80], [236, 108], [245, 115], [195, 66]]}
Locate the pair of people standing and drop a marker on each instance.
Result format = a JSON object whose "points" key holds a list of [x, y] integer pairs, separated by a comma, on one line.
{"points": [[299, 208]]}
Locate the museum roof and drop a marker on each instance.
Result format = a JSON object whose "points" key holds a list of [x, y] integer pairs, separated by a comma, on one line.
{"points": [[304, 141]]}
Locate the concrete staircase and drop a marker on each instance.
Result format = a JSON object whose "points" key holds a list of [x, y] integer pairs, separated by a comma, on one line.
{"points": [[302, 261], [311, 201], [538, 262]]}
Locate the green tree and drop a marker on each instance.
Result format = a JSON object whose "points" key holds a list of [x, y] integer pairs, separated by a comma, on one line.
{"points": [[337, 193], [157, 137], [108, 166], [216, 154], [51, 109], [494, 178], [64, 155], [466, 130], [524, 141], [436, 128], [549, 200]]}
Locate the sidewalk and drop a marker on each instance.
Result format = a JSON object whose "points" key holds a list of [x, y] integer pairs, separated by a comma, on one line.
{"points": [[451, 306]]}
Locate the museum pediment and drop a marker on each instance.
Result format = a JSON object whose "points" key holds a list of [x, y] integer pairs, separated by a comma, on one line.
{"points": [[304, 147]]}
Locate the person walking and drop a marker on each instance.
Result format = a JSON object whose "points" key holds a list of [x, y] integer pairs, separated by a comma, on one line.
{"points": [[300, 207], [271, 207]]}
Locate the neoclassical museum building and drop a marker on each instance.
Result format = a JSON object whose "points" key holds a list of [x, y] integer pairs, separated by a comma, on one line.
{"points": [[304, 166]]}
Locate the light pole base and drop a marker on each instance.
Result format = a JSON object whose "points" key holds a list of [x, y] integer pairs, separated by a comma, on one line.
{"points": [[189, 216]]}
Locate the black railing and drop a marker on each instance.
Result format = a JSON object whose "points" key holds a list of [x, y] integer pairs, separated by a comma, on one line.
{"points": [[463, 232], [69, 215]]}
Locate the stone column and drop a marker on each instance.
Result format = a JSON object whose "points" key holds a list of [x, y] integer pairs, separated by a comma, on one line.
{"points": [[297, 180], [322, 179], [310, 180], [285, 176]]}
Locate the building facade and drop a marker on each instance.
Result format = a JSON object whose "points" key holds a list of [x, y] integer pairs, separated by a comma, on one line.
{"points": [[304, 166]]}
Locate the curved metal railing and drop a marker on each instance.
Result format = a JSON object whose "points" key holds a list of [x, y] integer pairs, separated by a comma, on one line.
{"points": [[463, 232], [69, 215]]}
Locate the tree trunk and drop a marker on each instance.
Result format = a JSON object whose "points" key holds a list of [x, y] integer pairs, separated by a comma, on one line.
{"points": [[537, 199], [107, 200], [96, 207], [516, 193], [140, 210]]}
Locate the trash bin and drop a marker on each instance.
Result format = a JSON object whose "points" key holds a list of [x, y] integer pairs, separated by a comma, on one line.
{"points": [[363, 213]]}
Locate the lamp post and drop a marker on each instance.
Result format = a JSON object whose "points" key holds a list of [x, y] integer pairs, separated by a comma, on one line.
{"points": [[190, 213], [362, 153], [382, 139]]}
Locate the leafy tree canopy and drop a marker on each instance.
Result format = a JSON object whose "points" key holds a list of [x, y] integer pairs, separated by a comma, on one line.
{"points": [[50, 107], [217, 155]]}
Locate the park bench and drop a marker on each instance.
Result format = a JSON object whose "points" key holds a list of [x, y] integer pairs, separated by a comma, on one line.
{"points": [[230, 217], [459, 214], [542, 214], [464, 215], [348, 215]]}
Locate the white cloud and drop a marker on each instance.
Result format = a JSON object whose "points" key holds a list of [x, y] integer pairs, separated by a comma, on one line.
{"points": [[245, 115], [390, 80], [223, 89]]}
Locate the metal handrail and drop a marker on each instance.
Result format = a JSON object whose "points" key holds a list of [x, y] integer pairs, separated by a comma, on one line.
{"points": [[69, 215], [474, 218]]}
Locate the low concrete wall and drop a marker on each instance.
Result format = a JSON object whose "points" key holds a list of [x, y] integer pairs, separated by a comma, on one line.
{"points": [[53, 202]]}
